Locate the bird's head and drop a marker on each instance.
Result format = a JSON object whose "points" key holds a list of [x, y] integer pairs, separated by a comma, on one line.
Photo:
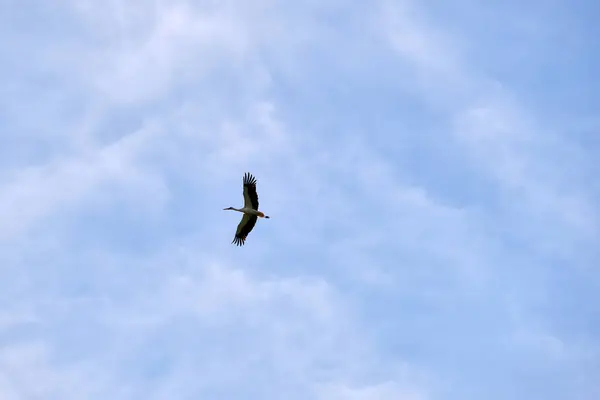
{"points": [[228, 208]]}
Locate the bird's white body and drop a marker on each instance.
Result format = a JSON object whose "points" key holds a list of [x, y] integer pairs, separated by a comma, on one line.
{"points": [[251, 211]]}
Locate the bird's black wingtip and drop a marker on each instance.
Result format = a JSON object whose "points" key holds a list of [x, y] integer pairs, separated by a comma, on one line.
{"points": [[249, 179], [238, 241]]}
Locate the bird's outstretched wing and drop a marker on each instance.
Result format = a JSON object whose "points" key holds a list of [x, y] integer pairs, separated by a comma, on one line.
{"points": [[250, 195], [243, 229]]}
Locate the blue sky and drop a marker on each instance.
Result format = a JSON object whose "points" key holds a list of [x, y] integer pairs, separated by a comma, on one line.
{"points": [[430, 169]]}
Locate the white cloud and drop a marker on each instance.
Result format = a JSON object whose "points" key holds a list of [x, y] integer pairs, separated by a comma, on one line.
{"points": [[384, 391], [28, 371], [31, 194], [505, 140], [211, 329]]}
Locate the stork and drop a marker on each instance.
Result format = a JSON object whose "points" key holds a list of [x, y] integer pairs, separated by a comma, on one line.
{"points": [[250, 210]]}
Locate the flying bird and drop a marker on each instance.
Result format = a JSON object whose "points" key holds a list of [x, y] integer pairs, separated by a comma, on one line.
{"points": [[250, 210]]}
